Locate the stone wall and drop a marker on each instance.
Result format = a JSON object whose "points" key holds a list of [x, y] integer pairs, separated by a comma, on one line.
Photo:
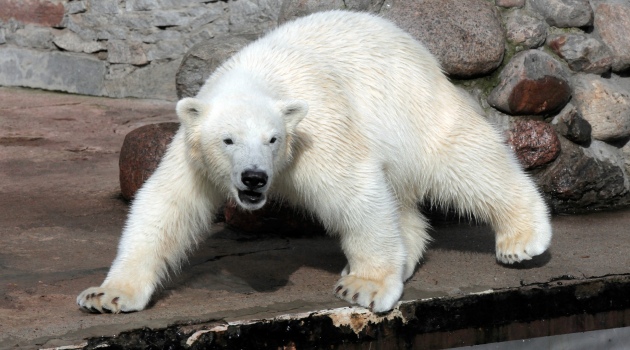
{"points": [[117, 48], [552, 74]]}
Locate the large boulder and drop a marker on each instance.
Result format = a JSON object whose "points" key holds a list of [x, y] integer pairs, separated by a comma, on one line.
{"points": [[465, 35], [605, 105], [584, 179], [141, 153], [612, 22], [565, 13]]}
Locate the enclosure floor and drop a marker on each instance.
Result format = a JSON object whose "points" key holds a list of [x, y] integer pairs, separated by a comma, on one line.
{"points": [[61, 216]]}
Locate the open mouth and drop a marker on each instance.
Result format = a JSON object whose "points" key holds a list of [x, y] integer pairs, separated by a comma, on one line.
{"points": [[251, 197]]}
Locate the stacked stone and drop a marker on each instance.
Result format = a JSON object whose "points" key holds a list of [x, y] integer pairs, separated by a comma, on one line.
{"points": [[117, 48], [552, 76]]}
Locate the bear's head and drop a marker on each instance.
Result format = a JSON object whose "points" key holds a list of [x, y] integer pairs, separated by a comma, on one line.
{"points": [[240, 142]]}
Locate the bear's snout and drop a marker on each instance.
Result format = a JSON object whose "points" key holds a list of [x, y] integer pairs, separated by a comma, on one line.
{"points": [[254, 179]]}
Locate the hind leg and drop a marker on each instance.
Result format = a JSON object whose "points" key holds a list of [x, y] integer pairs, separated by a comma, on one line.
{"points": [[486, 181], [414, 227], [524, 230]]}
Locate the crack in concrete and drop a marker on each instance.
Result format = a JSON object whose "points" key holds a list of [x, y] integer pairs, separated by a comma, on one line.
{"points": [[219, 257]]}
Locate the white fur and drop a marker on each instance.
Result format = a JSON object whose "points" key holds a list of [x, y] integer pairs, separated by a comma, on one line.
{"points": [[366, 125]]}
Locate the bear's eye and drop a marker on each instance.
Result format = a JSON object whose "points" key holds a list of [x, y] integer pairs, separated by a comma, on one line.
{"points": [[273, 140], [228, 141]]}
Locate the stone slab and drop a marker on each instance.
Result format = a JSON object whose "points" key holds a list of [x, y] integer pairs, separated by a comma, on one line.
{"points": [[73, 73]]}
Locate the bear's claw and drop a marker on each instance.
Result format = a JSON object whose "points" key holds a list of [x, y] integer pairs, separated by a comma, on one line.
{"points": [[378, 296], [105, 300]]}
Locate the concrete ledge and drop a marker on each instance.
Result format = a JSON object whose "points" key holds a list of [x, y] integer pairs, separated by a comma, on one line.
{"points": [[557, 307]]}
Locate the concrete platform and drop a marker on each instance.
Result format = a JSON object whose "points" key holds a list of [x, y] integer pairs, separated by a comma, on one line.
{"points": [[61, 217]]}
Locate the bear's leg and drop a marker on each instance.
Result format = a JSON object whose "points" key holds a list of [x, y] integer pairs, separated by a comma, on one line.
{"points": [[166, 219], [492, 187], [524, 230], [414, 227], [368, 222]]}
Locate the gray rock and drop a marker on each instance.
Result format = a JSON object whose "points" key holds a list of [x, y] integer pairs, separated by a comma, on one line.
{"points": [[604, 104], [75, 7], [3, 38], [253, 16], [33, 37], [203, 59], [612, 22], [151, 81], [211, 14], [154, 35], [142, 5], [570, 124], [582, 53], [292, 9], [104, 7], [584, 179], [625, 152], [74, 73], [532, 82], [127, 20], [147, 5], [181, 17], [525, 30], [69, 41], [510, 3], [564, 13], [122, 51], [165, 49], [465, 35]]}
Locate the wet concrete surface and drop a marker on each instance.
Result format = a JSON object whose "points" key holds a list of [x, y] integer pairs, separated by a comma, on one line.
{"points": [[61, 215]]}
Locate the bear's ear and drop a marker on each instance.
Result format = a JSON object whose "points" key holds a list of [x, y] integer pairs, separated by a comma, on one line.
{"points": [[293, 112], [189, 110]]}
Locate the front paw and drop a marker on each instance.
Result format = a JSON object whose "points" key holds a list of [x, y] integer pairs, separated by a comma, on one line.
{"points": [[377, 295], [108, 300]]}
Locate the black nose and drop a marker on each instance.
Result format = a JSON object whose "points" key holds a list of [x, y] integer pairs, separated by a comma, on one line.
{"points": [[254, 179]]}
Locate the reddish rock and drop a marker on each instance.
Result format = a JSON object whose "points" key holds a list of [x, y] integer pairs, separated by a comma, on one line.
{"points": [[465, 35], [42, 12], [272, 218], [141, 153], [531, 83], [534, 142]]}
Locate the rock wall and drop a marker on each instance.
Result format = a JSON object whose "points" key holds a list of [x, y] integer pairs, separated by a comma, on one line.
{"points": [[117, 48], [552, 74]]}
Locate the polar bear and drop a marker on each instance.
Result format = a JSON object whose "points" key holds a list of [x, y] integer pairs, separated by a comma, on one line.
{"points": [[347, 116]]}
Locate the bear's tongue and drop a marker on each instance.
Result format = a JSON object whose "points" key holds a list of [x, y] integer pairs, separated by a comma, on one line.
{"points": [[250, 196]]}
